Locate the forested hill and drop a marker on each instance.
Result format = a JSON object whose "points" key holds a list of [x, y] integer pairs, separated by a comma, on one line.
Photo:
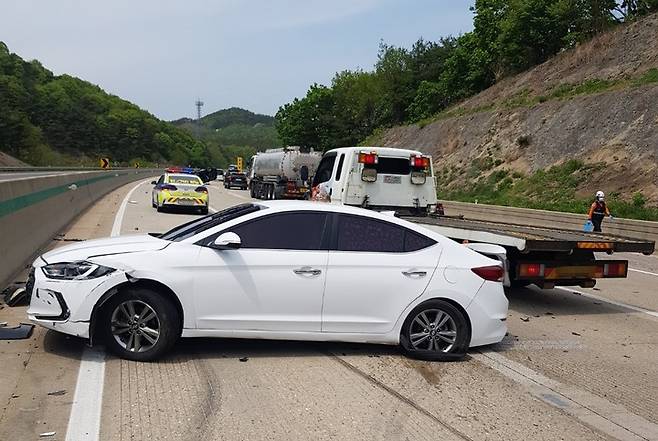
{"points": [[234, 127], [48, 119]]}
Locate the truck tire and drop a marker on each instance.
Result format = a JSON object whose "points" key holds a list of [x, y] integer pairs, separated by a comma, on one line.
{"points": [[252, 193]]}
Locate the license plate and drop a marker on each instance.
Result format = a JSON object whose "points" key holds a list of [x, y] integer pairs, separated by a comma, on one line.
{"points": [[392, 179], [186, 202]]}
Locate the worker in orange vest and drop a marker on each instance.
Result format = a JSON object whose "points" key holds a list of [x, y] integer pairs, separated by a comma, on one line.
{"points": [[598, 210]]}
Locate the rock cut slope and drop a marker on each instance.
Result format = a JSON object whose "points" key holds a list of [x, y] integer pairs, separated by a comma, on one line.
{"points": [[597, 103]]}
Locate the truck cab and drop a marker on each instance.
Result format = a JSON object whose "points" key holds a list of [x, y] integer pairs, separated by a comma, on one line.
{"points": [[379, 178]]}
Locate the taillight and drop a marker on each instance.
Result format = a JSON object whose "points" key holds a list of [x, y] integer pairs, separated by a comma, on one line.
{"points": [[201, 190], [169, 187], [493, 273], [368, 158], [419, 161], [531, 270], [617, 269]]}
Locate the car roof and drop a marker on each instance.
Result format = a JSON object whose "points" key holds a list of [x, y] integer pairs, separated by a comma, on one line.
{"points": [[181, 175], [384, 151], [291, 205]]}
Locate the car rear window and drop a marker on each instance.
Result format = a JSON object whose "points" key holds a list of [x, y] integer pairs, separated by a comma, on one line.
{"points": [[184, 179], [392, 166]]}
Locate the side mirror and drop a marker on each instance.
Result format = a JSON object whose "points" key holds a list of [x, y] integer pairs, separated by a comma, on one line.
{"points": [[227, 241], [154, 183]]}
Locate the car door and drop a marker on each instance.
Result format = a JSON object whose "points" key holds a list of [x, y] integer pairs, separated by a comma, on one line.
{"points": [[374, 271], [156, 191], [274, 282]]}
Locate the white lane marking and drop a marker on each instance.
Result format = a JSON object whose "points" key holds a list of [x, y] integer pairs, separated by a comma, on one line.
{"points": [[612, 302], [643, 272], [118, 218], [85, 418], [597, 412]]}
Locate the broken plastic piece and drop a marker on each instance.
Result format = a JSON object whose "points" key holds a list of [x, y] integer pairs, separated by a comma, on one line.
{"points": [[19, 332]]}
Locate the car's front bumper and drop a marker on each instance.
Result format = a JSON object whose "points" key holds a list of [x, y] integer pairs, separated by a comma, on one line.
{"points": [[65, 305]]}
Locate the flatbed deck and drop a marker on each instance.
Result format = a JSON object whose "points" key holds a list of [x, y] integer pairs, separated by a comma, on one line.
{"points": [[526, 238]]}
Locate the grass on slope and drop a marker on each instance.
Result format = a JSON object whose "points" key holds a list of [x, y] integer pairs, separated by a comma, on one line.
{"points": [[552, 189]]}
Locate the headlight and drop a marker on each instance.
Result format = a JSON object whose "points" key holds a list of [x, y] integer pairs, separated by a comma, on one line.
{"points": [[75, 271]]}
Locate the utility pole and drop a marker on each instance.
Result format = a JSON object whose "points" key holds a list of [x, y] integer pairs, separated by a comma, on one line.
{"points": [[198, 104]]}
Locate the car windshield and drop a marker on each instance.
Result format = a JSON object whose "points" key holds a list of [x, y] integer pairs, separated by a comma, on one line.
{"points": [[184, 179], [196, 226]]}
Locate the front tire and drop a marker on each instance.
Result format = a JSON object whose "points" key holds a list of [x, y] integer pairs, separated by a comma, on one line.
{"points": [[435, 330], [140, 324]]}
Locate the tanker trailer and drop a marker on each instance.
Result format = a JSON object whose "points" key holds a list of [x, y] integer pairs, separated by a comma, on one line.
{"points": [[283, 173]]}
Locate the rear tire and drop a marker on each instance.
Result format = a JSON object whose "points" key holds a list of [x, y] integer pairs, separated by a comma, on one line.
{"points": [[139, 324], [203, 210], [435, 330]]}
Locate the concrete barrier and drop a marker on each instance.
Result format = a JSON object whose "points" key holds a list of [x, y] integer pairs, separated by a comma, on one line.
{"points": [[553, 219], [34, 210]]}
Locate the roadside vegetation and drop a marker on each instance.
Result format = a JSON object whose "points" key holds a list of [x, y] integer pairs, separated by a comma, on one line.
{"points": [[418, 84], [233, 132], [555, 189], [48, 119]]}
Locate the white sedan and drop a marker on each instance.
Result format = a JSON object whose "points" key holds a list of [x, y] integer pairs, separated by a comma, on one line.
{"points": [[274, 270]]}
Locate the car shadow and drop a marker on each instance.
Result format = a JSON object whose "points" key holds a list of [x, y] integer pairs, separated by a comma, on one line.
{"points": [[533, 301], [215, 348]]}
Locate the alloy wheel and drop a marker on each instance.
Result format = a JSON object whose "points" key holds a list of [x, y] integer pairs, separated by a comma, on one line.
{"points": [[135, 326], [433, 330]]}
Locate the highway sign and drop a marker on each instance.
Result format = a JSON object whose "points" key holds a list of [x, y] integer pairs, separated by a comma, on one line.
{"points": [[239, 162], [105, 163]]}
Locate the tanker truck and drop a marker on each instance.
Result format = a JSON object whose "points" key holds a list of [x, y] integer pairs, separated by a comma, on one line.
{"points": [[283, 173]]}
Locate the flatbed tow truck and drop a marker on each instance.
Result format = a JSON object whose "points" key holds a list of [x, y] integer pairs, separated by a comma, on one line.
{"points": [[547, 257], [401, 182]]}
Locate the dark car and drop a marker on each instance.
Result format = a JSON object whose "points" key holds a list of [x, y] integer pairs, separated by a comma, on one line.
{"points": [[235, 179]]}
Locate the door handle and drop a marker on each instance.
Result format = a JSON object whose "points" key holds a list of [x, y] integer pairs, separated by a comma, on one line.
{"points": [[307, 270], [415, 274]]}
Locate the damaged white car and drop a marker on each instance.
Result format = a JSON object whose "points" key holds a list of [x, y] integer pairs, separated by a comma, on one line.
{"points": [[275, 270]]}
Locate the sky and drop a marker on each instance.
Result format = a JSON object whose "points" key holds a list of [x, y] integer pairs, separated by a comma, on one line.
{"points": [[255, 54]]}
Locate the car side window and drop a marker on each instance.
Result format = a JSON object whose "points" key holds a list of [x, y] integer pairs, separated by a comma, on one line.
{"points": [[161, 180], [339, 169], [323, 173], [303, 230], [358, 233]]}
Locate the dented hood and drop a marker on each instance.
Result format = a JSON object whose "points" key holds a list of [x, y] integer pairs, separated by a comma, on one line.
{"points": [[103, 247]]}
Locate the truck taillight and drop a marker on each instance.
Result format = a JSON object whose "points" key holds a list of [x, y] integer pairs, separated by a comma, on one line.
{"points": [[419, 161], [616, 269], [492, 273], [368, 158], [531, 270]]}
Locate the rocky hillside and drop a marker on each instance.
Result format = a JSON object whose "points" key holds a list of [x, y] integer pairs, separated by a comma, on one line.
{"points": [[596, 103]]}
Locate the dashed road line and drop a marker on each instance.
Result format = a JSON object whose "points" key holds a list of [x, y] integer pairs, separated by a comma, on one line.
{"points": [[598, 413], [612, 302]]}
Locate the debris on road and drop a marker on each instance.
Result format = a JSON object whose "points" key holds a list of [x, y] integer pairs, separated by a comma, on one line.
{"points": [[58, 392], [525, 319], [575, 333], [244, 359], [132, 202], [19, 332], [47, 434]]}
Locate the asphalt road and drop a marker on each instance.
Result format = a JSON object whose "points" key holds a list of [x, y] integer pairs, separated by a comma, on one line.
{"points": [[577, 364]]}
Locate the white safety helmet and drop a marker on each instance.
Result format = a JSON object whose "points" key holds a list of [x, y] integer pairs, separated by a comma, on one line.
{"points": [[600, 195]]}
